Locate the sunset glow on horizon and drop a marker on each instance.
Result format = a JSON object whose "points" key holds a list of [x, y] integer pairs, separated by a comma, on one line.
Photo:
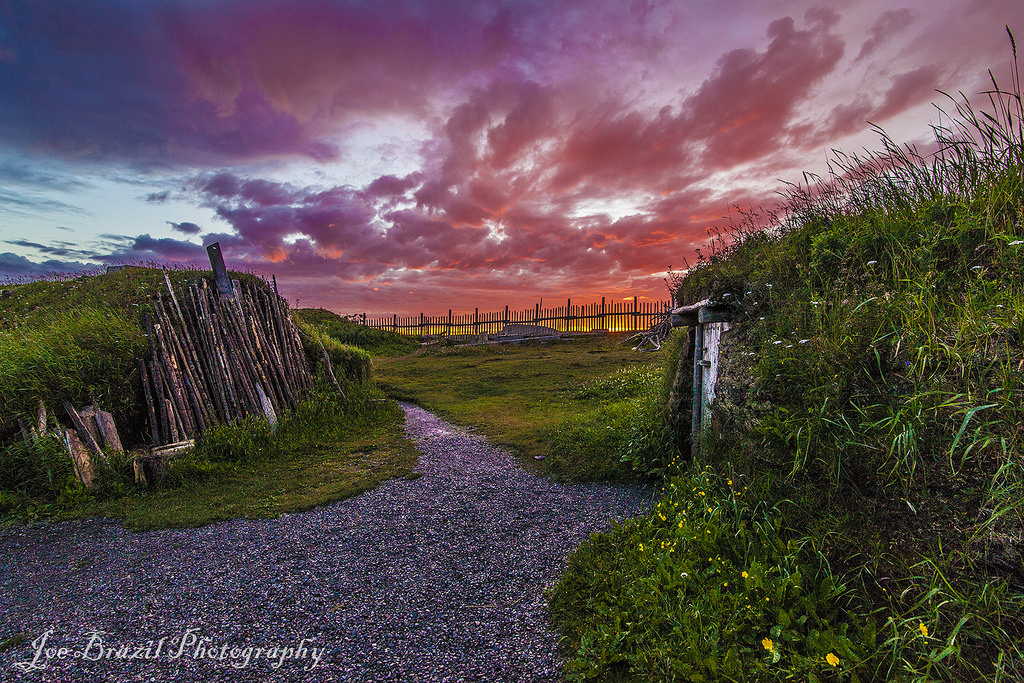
{"points": [[414, 156]]}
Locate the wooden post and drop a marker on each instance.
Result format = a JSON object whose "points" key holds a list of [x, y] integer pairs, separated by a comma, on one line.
{"points": [[476, 321], [394, 322], [220, 272], [41, 418], [698, 382], [154, 421]]}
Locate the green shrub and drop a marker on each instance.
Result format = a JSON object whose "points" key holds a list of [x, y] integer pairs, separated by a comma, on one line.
{"points": [[348, 331], [244, 440], [349, 363]]}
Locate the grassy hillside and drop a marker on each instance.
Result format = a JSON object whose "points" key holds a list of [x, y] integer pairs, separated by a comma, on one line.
{"points": [[81, 340], [858, 509]]}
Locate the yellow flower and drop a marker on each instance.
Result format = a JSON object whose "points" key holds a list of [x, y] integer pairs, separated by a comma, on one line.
{"points": [[832, 659], [923, 629], [710, 511], [745, 575], [641, 547], [768, 644], [729, 482]]}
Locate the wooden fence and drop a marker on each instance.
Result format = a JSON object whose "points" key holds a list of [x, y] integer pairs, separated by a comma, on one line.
{"points": [[216, 358], [620, 316]]}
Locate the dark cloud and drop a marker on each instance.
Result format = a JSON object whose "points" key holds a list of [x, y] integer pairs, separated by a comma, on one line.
{"points": [[22, 203], [171, 82], [393, 186], [185, 227], [16, 267], [15, 171]]}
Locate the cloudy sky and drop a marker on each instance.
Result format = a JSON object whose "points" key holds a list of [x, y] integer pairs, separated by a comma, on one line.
{"points": [[414, 155]]}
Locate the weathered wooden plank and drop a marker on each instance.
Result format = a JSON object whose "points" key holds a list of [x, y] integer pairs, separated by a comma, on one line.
{"points": [[154, 421], [189, 353], [235, 405], [139, 469], [79, 458], [196, 398], [83, 431], [272, 352], [268, 407], [712, 339], [88, 417], [108, 430], [41, 418], [159, 400], [220, 271], [174, 380]]}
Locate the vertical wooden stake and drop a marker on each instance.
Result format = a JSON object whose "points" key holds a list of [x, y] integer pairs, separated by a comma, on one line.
{"points": [[220, 271]]}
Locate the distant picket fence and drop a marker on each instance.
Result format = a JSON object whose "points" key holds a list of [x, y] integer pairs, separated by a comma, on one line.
{"points": [[616, 316]]}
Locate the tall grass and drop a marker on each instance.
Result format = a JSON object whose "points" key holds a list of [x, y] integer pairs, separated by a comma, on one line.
{"points": [[85, 356]]}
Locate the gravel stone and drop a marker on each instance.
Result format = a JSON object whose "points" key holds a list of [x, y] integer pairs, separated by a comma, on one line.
{"points": [[437, 578]]}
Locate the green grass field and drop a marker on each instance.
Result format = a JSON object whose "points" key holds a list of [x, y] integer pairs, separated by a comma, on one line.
{"points": [[575, 402]]}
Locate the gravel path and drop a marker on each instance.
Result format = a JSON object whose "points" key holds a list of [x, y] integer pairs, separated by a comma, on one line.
{"points": [[438, 578]]}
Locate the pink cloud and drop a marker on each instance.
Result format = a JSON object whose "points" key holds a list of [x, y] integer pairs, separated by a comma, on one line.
{"points": [[907, 90], [888, 24]]}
